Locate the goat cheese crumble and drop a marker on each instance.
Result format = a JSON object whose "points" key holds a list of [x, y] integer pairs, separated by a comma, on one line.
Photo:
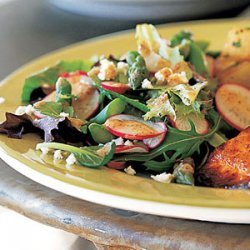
{"points": [[129, 170], [163, 177]]}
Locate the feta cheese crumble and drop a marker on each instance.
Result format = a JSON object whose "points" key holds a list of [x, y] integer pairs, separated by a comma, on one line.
{"points": [[21, 110], [122, 67], [71, 159], [118, 141], [128, 143], [163, 177], [107, 70], [58, 155], [63, 114], [2, 100], [146, 84], [129, 170]]}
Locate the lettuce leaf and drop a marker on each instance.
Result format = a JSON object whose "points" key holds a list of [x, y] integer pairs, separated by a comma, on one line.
{"points": [[147, 36]]}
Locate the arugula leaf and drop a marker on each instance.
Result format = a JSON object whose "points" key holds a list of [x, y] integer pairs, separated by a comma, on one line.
{"points": [[50, 75], [92, 157]]}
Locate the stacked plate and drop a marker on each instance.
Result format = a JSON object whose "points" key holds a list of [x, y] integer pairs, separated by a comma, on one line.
{"points": [[149, 9]]}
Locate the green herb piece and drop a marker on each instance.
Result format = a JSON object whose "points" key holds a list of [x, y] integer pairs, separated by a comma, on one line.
{"points": [[52, 109], [137, 72], [92, 157], [100, 134], [197, 58], [237, 44], [115, 107], [50, 75], [63, 91], [179, 37]]}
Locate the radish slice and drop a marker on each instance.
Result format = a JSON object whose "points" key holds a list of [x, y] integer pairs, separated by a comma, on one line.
{"points": [[201, 124], [117, 87], [233, 104], [131, 149], [116, 165], [156, 141], [132, 127]]}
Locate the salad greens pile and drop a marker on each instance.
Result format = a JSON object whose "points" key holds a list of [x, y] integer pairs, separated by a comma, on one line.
{"points": [[151, 109]]}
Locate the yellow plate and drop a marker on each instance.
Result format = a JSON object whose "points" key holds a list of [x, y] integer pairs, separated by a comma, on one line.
{"points": [[111, 187]]}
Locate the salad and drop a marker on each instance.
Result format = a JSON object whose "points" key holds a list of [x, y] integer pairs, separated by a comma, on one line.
{"points": [[172, 110]]}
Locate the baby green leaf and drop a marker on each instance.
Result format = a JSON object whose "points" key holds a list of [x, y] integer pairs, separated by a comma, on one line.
{"points": [[92, 157]]}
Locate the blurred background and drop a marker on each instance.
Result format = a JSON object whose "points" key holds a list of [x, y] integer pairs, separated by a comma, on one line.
{"points": [[31, 28]]}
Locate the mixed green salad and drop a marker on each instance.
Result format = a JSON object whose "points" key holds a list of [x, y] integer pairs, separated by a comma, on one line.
{"points": [[148, 111]]}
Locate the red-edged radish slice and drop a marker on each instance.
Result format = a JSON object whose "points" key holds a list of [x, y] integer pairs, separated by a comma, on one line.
{"points": [[87, 101], [233, 104], [72, 74], [201, 124], [156, 141], [117, 87], [116, 165], [131, 149], [211, 65], [132, 128]]}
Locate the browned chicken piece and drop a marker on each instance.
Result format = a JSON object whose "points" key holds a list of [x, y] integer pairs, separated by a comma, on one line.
{"points": [[229, 164]]}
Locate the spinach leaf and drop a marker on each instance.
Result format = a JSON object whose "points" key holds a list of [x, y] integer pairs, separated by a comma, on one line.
{"points": [[49, 108], [92, 157]]}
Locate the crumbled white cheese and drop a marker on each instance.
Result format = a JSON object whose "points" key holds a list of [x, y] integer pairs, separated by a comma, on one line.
{"points": [[21, 110], [128, 143], [163, 177], [146, 84], [129, 170], [122, 67], [71, 159], [118, 141], [63, 114], [2, 100], [107, 70], [178, 78], [44, 151], [58, 155]]}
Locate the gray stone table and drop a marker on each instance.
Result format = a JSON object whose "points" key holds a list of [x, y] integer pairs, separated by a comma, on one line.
{"points": [[30, 28]]}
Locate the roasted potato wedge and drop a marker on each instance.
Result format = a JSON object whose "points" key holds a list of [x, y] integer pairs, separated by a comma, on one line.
{"points": [[237, 45], [229, 164], [240, 73]]}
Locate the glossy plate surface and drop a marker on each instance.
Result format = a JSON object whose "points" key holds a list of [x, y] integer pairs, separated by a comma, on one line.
{"points": [[111, 187]]}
